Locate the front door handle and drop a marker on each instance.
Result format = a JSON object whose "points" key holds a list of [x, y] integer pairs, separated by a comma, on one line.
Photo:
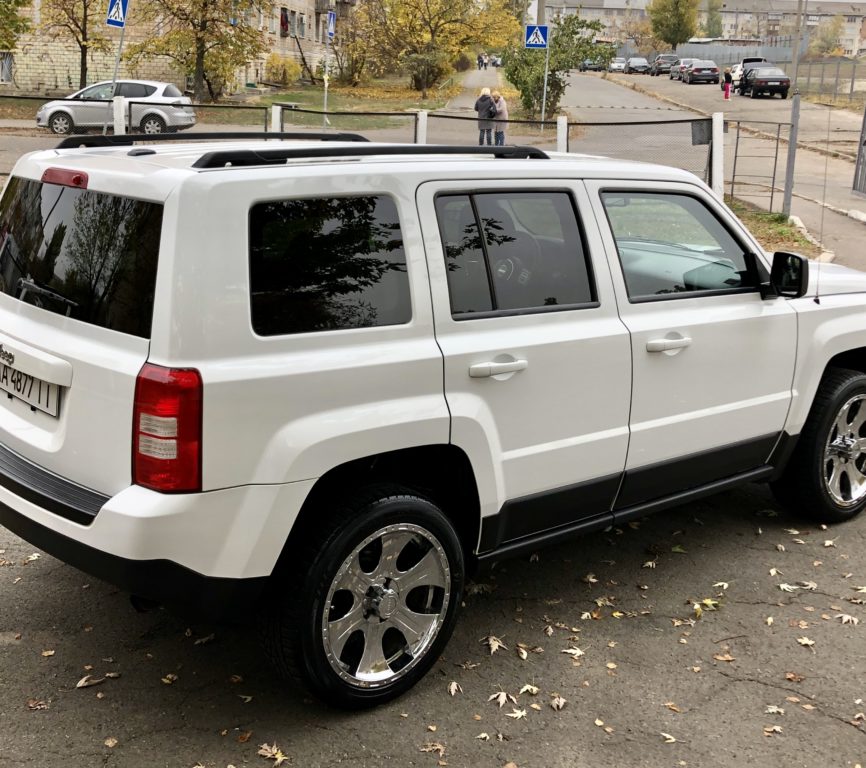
{"points": [[482, 370], [661, 345]]}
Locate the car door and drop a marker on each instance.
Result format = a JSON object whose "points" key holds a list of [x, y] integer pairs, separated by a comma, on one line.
{"points": [[93, 105], [713, 361], [537, 365]]}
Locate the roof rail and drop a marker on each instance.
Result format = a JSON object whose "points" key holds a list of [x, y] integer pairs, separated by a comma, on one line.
{"points": [[124, 140], [246, 157]]}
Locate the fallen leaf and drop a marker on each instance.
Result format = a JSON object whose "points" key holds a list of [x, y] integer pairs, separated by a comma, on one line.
{"points": [[483, 736], [501, 698], [599, 722], [89, 680], [794, 677], [522, 653], [169, 678], [722, 584], [769, 621], [110, 742], [723, 657], [668, 738], [468, 665], [244, 737], [454, 688], [780, 547], [775, 572], [830, 543], [650, 563], [846, 618], [548, 630], [772, 709], [532, 690], [557, 702], [206, 639], [494, 643], [810, 586], [245, 699], [31, 558], [517, 714], [431, 728], [272, 752], [36, 704], [590, 578], [236, 679], [798, 541], [112, 675], [610, 665], [769, 730], [787, 588], [672, 707], [679, 549], [792, 531], [573, 652], [806, 642], [535, 706], [46, 654]]}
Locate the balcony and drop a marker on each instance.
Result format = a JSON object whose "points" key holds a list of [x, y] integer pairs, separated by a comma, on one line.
{"points": [[323, 6]]}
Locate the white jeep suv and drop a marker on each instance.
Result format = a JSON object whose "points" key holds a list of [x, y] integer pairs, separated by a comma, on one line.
{"points": [[329, 377]]}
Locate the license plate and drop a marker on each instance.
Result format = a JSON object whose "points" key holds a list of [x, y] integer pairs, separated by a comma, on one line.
{"points": [[773, 82], [38, 394]]}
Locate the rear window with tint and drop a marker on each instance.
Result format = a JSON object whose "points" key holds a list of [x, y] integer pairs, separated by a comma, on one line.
{"points": [[329, 263], [171, 90], [87, 255]]}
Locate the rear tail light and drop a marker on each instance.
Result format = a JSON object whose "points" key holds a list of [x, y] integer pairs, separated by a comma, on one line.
{"points": [[166, 429], [65, 177]]}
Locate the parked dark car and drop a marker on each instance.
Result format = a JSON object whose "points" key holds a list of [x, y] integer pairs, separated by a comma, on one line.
{"points": [[701, 71], [769, 80], [590, 65], [676, 70], [746, 66], [662, 63], [637, 64]]}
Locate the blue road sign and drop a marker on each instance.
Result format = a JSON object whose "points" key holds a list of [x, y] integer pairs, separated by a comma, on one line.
{"points": [[332, 24], [536, 36], [117, 13]]}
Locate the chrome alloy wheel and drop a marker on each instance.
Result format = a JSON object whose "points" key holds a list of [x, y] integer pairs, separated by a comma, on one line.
{"points": [[845, 454], [386, 605]]}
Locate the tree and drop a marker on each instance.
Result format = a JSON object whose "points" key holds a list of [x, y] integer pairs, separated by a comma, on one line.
{"points": [[208, 39], [673, 21], [12, 23], [81, 20], [571, 41], [713, 27], [356, 54], [424, 36], [827, 37], [639, 30]]}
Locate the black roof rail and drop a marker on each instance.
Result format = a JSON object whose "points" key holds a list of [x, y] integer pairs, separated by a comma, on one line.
{"points": [[245, 157], [125, 140]]}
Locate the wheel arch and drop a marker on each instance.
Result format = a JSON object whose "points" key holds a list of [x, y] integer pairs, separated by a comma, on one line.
{"points": [[442, 473]]}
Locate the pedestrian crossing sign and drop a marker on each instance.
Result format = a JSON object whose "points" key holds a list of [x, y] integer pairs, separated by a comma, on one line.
{"points": [[117, 13], [536, 36]]}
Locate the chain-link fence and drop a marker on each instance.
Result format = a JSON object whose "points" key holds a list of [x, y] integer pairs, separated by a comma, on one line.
{"points": [[398, 127], [758, 151]]}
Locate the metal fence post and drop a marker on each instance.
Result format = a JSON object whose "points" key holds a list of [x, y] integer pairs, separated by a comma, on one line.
{"points": [[736, 155], [792, 154], [717, 148], [561, 133], [836, 81], [276, 118], [421, 126], [118, 106], [853, 80]]}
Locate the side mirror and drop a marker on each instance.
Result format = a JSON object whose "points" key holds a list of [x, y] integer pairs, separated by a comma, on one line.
{"points": [[789, 276]]}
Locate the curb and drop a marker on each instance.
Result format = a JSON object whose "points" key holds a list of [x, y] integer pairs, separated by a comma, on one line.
{"points": [[825, 255]]}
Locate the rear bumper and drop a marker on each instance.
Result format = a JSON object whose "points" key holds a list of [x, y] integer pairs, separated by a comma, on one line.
{"points": [[160, 580]]}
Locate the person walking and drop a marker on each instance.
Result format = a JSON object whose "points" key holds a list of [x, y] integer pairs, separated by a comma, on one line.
{"points": [[486, 109], [501, 119], [727, 85], [480, 60], [486, 60]]}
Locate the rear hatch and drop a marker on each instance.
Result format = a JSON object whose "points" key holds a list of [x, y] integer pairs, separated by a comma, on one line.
{"points": [[77, 276]]}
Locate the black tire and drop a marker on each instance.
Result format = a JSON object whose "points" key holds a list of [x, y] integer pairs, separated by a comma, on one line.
{"points": [[61, 124], [313, 580], [152, 124], [823, 448], [783, 94], [753, 92]]}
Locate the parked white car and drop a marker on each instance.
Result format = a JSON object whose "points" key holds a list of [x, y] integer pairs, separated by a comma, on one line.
{"points": [[154, 107], [616, 65], [326, 379]]}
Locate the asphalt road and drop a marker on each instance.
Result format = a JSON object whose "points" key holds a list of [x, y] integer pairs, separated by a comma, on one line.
{"points": [[738, 687]]}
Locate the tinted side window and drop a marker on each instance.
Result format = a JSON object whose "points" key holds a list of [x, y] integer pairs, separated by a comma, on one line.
{"points": [[88, 255], [325, 264], [98, 92], [510, 251], [672, 244], [170, 90]]}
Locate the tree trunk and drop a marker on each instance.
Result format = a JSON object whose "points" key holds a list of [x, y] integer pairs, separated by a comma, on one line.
{"points": [[198, 75], [82, 65]]}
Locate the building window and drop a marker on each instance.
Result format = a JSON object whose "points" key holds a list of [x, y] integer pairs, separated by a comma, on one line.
{"points": [[318, 27], [302, 26], [284, 22], [293, 23], [6, 62]]}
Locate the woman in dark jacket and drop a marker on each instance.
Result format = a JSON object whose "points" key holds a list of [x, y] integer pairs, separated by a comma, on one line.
{"points": [[486, 110]]}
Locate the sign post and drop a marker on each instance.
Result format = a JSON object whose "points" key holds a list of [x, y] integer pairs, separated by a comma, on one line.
{"points": [[332, 29], [536, 36], [116, 17]]}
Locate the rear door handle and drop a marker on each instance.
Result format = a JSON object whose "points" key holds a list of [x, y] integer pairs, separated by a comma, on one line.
{"points": [[661, 345], [482, 370]]}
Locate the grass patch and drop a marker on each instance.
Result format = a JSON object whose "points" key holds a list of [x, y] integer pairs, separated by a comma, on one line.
{"points": [[772, 230]]}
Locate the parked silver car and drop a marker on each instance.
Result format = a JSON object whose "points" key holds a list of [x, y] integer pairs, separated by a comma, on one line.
{"points": [[154, 108]]}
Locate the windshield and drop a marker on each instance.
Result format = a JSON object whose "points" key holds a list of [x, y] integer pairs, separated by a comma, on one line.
{"points": [[88, 255]]}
